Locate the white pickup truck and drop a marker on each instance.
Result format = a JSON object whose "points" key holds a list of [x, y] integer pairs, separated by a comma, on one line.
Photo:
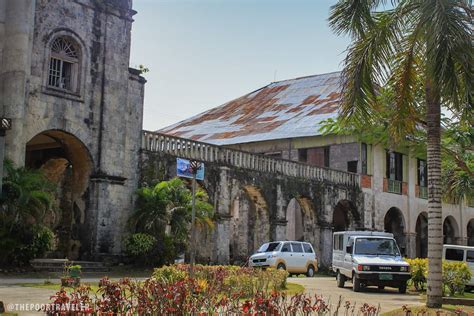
{"points": [[369, 258]]}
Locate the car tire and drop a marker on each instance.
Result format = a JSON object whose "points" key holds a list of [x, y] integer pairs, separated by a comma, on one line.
{"points": [[402, 289], [310, 273], [356, 286], [281, 266], [381, 287], [341, 279]]}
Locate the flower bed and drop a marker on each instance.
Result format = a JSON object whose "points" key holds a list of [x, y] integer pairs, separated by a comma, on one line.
{"points": [[215, 290]]}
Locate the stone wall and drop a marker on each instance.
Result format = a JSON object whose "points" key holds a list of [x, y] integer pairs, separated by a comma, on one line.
{"points": [[251, 207], [104, 113]]}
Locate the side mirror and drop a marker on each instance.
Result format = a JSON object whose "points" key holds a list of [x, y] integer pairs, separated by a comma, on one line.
{"points": [[349, 249]]}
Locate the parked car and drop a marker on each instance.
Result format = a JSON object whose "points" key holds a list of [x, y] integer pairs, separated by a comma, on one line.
{"points": [[461, 253], [369, 258], [293, 256]]}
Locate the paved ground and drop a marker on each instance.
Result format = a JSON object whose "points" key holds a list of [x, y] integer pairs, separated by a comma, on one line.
{"points": [[13, 293], [389, 298]]}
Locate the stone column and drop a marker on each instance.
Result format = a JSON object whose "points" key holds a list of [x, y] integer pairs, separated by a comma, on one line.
{"points": [[325, 246], [15, 71], [223, 240], [410, 242], [278, 231], [223, 225], [461, 241]]}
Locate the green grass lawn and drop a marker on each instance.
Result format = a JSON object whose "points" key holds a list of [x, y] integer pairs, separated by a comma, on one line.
{"points": [[291, 288], [55, 286], [466, 295]]}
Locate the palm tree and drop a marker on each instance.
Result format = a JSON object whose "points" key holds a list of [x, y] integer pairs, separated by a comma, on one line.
{"points": [[169, 203], [421, 52], [27, 197]]}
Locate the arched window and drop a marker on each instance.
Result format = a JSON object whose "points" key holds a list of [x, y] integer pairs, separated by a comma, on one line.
{"points": [[64, 64]]}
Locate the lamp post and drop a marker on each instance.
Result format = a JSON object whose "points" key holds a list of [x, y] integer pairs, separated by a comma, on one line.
{"points": [[5, 124], [195, 166]]}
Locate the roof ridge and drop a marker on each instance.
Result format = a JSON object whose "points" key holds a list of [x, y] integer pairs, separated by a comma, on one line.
{"points": [[308, 76]]}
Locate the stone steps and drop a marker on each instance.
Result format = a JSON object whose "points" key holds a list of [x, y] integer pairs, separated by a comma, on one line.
{"points": [[57, 265]]}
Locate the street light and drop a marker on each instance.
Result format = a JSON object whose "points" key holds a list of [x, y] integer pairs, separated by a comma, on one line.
{"points": [[195, 166], [5, 125]]}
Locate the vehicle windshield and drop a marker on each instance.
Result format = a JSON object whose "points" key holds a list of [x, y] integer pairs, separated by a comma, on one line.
{"points": [[269, 247], [376, 246]]}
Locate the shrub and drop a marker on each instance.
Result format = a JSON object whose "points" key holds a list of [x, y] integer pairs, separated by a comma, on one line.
{"points": [[456, 275], [227, 279], [169, 274], [139, 244], [419, 272]]}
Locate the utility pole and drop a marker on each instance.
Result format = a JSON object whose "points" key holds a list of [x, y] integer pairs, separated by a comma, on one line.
{"points": [[195, 166], [5, 124]]}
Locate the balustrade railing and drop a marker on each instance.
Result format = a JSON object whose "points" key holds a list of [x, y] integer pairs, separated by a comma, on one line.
{"points": [[190, 149]]}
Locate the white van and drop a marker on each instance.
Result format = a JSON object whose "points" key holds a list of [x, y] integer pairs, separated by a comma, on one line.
{"points": [[293, 256], [461, 253], [368, 258]]}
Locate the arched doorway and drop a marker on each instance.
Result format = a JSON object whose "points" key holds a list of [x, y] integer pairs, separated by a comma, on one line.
{"points": [[450, 231], [345, 216], [295, 221], [470, 233], [66, 161], [422, 236], [250, 223], [395, 223]]}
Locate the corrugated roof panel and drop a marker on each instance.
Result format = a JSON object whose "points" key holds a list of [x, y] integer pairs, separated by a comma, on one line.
{"points": [[284, 109]]}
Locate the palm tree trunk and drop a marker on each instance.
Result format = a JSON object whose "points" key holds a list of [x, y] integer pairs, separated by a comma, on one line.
{"points": [[435, 216]]}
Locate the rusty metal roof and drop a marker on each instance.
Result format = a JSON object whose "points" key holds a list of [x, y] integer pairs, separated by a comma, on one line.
{"points": [[284, 109]]}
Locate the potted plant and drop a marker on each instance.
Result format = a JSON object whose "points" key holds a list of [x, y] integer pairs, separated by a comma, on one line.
{"points": [[71, 275]]}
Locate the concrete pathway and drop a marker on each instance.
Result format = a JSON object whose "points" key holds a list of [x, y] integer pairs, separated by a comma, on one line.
{"points": [[389, 298], [24, 300]]}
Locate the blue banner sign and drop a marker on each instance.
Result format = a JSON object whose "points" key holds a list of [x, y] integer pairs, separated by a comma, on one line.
{"points": [[183, 169]]}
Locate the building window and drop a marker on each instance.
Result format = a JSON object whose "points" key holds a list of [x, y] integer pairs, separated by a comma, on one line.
{"points": [[422, 178], [303, 155], [63, 65], [352, 166], [394, 172], [422, 173], [394, 166], [364, 158], [326, 156]]}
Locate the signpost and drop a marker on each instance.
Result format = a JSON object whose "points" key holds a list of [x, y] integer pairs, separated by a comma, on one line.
{"points": [[191, 169], [5, 124]]}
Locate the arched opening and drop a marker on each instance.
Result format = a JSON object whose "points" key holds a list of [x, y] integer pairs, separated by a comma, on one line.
{"points": [[345, 216], [66, 161], [450, 231], [250, 223], [395, 223], [470, 233], [295, 221], [422, 236]]}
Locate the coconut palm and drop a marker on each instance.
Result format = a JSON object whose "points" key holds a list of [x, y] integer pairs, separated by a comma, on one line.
{"points": [[421, 52]]}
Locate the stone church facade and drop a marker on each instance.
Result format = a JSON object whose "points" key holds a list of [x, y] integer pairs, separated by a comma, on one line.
{"points": [[76, 110]]}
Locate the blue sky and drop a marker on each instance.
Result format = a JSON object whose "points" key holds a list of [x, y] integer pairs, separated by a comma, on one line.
{"points": [[203, 53]]}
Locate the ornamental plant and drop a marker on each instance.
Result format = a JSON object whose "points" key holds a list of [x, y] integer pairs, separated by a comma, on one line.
{"points": [[193, 297], [456, 275]]}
